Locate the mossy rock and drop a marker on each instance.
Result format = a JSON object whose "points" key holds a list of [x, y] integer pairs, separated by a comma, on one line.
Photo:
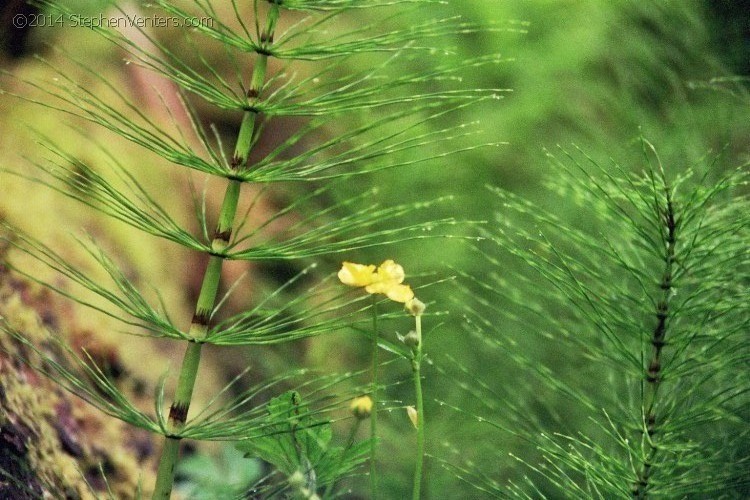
{"points": [[52, 444]]}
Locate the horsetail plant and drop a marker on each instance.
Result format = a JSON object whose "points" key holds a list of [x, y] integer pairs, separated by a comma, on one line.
{"points": [[272, 50], [648, 298]]}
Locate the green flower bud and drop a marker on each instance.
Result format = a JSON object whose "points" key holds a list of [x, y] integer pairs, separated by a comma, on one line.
{"points": [[415, 306]]}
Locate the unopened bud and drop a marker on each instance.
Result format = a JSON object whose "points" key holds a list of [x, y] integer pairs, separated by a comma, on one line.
{"points": [[415, 306], [413, 416], [361, 407], [411, 339], [297, 480]]}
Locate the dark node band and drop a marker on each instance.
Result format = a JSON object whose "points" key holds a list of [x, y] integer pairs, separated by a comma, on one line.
{"points": [[178, 412], [201, 318], [223, 235]]}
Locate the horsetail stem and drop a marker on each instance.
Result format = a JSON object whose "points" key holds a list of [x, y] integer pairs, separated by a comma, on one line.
{"points": [[653, 370], [212, 276], [167, 462]]}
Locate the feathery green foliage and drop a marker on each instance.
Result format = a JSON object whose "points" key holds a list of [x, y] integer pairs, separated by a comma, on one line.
{"points": [[647, 304]]}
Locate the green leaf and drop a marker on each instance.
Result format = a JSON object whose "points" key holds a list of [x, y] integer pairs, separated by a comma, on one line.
{"points": [[223, 476], [294, 442]]}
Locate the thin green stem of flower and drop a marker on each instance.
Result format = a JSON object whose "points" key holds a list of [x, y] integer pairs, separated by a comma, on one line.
{"points": [[416, 369], [374, 414], [209, 288], [352, 433], [349, 443]]}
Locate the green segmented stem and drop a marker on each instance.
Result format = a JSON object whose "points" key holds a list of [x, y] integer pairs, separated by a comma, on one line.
{"points": [[653, 375], [209, 288], [244, 139], [167, 463]]}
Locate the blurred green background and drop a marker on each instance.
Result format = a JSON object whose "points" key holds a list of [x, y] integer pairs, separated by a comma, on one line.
{"points": [[595, 73]]}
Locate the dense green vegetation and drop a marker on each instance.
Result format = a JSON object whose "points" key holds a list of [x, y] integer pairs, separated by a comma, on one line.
{"points": [[587, 321]]}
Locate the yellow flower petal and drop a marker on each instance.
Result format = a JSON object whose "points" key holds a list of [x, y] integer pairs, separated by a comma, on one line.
{"points": [[390, 271], [356, 274], [379, 287], [400, 293]]}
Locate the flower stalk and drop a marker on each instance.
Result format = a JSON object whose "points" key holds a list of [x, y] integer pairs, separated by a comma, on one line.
{"points": [[374, 396], [361, 408], [417, 308], [387, 279]]}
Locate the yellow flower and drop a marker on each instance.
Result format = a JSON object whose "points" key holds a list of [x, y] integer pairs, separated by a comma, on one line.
{"points": [[361, 407], [386, 280], [356, 274], [388, 273]]}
